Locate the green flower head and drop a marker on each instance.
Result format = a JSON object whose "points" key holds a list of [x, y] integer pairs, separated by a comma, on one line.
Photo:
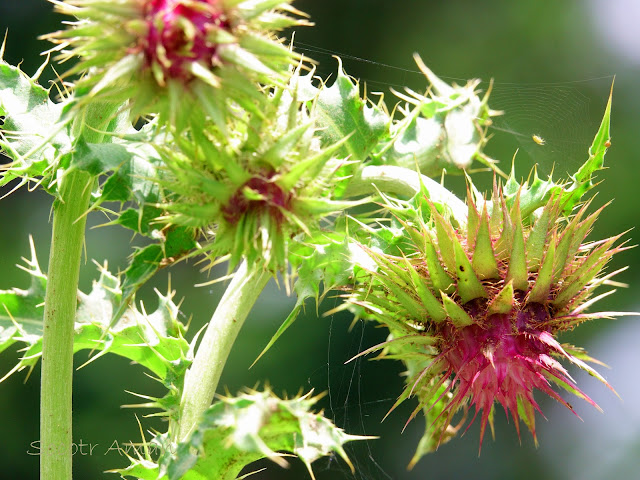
{"points": [[256, 186], [169, 56]]}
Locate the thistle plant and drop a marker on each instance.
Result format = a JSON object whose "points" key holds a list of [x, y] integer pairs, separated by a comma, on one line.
{"points": [[215, 140]]}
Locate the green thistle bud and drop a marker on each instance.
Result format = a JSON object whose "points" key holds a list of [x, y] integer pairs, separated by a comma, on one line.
{"points": [[444, 128], [170, 56], [474, 310], [258, 184]]}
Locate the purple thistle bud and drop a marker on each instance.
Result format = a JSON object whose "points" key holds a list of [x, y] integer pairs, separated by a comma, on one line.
{"points": [[270, 199], [475, 311], [180, 60], [181, 32]]}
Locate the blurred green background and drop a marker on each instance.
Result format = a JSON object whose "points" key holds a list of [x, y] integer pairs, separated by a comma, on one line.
{"points": [[552, 63]]}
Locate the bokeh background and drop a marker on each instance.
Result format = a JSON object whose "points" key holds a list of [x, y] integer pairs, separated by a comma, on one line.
{"points": [[553, 63]]}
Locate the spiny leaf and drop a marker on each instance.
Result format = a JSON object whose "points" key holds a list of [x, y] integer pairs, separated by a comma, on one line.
{"points": [[503, 301], [540, 291], [441, 280], [33, 135], [327, 260], [584, 273], [237, 431], [532, 195], [97, 158], [538, 237], [145, 262], [340, 112], [446, 238], [293, 315], [153, 340], [277, 152], [562, 251], [429, 301], [436, 431], [583, 178], [518, 262], [132, 169], [473, 218], [140, 470], [456, 313], [536, 193], [484, 260], [439, 130], [504, 245], [21, 311], [469, 286], [139, 220]]}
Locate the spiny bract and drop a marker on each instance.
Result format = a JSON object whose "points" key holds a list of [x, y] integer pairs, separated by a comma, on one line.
{"points": [[166, 56], [474, 311]]}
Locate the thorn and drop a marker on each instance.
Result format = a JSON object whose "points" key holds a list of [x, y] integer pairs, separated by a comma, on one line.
{"points": [[4, 43]]}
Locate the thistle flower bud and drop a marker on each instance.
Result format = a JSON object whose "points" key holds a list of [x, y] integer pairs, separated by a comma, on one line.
{"points": [[474, 310], [171, 56], [444, 128], [257, 185]]}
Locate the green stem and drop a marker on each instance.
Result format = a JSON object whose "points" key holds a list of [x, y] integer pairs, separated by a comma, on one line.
{"points": [[59, 316], [69, 219], [202, 378], [402, 181]]}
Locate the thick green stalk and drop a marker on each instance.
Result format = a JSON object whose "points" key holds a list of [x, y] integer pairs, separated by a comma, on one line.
{"points": [[202, 378], [69, 219], [59, 317], [402, 181]]}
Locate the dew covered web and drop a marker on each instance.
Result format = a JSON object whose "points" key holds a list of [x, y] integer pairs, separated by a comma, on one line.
{"points": [[565, 116]]}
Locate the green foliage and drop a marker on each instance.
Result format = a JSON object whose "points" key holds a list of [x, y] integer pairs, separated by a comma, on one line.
{"points": [[442, 129], [130, 169], [583, 178], [341, 113], [321, 263], [174, 243], [243, 157], [32, 134], [536, 193], [22, 310], [153, 340], [237, 431]]}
